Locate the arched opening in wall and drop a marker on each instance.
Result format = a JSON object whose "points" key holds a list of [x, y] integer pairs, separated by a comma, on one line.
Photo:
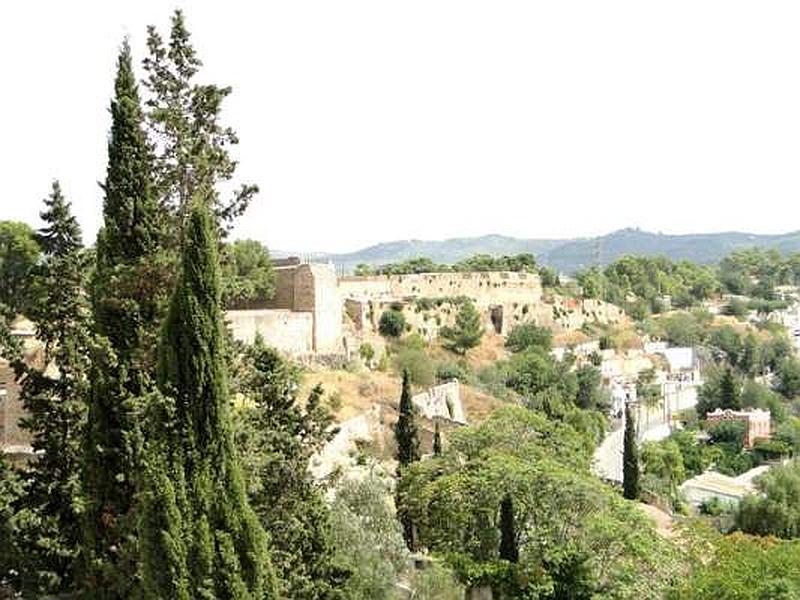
{"points": [[496, 315]]}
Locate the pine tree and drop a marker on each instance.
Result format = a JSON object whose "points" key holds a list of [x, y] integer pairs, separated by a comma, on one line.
{"points": [[129, 300], [467, 331], [630, 458], [407, 438], [437, 440], [54, 395], [508, 531], [193, 146], [199, 537], [729, 396]]}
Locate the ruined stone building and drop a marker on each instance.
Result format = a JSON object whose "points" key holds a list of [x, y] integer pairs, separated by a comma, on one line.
{"points": [[305, 315], [315, 313]]}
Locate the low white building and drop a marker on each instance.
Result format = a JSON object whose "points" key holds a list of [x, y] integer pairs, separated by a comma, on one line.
{"points": [[728, 490]]}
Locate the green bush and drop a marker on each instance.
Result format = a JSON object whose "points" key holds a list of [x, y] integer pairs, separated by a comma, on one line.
{"points": [[368, 540], [392, 323], [417, 362], [448, 370], [714, 507], [367, 353], [527, 336], [735, 308], [436, 583]]}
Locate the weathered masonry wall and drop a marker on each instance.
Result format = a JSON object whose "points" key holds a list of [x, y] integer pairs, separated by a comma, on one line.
{"points": [[304, 316], [290, 332], [327, 309], [484, 288], [504, 299]]}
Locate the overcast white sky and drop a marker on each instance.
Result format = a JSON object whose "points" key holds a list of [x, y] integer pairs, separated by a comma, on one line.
{"points": [[374, 121]]}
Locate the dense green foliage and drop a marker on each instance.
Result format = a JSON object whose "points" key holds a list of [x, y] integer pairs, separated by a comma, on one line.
{"points": [[392, 323], [368, 539], [640, 284], [44, 530], [128, 293], [476, 263], [663, 469], [529, 335], [680, 328], [199, 537], [247, 275], [776, 510], [740, 567], [19, 253], [575, 537], [276, 438], [756, 272], [411, 355]]}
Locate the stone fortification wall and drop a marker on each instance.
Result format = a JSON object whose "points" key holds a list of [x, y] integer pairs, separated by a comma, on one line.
{"points": [[505, 299], [290, 332], [560, 314], [484, 288], [284, 289], [304, 316], [326, 306]]}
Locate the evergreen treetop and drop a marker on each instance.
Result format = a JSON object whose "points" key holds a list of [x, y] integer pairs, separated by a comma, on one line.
{"points": [[131, 223], [53, 393], [129, 298], [630, 458], [729, 395], [192, 145]]}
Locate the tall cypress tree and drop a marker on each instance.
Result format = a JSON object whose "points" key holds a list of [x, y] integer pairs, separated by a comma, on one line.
{"points": [[729, 396], [508, 531], [54, 395], [129, 301], [630, 458], [407, 438], [199, 537], [405, 431], [437, 439]]}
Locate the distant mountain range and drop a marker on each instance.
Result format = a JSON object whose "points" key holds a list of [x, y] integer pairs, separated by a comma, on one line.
{"points": [[567, 256]]}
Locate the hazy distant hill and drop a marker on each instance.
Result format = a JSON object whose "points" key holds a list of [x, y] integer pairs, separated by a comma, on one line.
{"points": [[569, 255]]}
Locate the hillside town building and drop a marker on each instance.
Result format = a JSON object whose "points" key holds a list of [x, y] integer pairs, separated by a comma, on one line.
{"points": [[756, 421]]}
